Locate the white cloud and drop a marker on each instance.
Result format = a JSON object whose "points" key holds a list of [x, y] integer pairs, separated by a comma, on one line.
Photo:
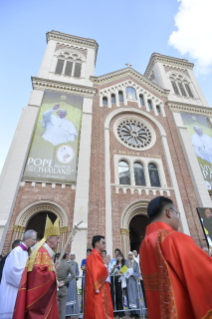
{"points": [[194, 34]]}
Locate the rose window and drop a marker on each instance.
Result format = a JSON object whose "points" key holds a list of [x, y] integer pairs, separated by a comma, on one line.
{"points": [[134, 134]]}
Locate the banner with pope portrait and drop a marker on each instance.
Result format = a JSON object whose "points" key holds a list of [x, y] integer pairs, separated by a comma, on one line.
{"points": [[54, 149], [200, 132], [205, 216]]}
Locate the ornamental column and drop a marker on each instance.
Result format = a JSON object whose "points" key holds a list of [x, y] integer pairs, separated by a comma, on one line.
{"points": [[21, 231], [13, 236], [125, 241]]}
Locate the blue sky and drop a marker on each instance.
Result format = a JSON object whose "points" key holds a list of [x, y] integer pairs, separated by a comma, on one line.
{"points": [[126, 31]]}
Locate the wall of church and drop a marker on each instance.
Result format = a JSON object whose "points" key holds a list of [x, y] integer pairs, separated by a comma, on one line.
{"points": [[28, 194], [124, 197]]}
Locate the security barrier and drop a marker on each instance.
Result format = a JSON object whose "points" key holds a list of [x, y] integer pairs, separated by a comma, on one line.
{"points": [[138, 310]]}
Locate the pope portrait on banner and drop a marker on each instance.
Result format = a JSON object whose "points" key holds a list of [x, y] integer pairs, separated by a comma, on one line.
{"points": [[57, 128], [202, 144]]}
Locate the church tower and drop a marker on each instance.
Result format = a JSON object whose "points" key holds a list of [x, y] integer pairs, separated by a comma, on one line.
{"points": [[67, 65], [185, 94]]}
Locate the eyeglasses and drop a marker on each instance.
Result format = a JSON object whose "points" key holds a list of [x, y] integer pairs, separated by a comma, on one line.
{"points": [[177, 213]]}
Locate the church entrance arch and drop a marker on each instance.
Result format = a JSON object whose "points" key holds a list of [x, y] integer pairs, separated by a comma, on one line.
{"points": [[37, 222], [137, 230], [133, 225], [34, 215]]}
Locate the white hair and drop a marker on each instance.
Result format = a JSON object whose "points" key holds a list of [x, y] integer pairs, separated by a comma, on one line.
{"points": [[61, 110], [28, 234]]}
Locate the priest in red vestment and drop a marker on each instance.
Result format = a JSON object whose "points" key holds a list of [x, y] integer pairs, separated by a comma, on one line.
{"points": [[177, 274], [98, 302], [37, 294]]}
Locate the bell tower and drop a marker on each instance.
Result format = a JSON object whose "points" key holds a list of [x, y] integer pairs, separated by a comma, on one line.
{"points": [[175, 75]]}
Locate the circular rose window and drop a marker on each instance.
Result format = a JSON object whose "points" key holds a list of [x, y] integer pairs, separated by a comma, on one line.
{"points": [[134, 133]]}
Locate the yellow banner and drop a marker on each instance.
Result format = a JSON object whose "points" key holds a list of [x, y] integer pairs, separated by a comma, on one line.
{"points": [[200, 132], [54, 149]]}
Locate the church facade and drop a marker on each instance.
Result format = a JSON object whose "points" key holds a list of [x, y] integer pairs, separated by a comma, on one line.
{"points": [[98, 149]]}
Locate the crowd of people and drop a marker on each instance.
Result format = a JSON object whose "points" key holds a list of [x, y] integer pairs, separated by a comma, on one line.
{"points": [[127, 293], [174, 283]]}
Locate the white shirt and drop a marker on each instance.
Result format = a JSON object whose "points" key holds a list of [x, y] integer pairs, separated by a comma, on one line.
{"points": [[57, 130], [11, 277], [202, 146]]}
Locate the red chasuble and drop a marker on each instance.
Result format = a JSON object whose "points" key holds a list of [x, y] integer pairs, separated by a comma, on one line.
{"points": [[177, 275], [98, 305], [37, 293]]}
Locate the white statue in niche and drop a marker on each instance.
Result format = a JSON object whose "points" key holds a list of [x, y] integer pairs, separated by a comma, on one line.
{"points": [[131, 94]]}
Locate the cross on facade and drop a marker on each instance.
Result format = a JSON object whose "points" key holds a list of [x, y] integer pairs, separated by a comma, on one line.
{"points": [[128, 64]]}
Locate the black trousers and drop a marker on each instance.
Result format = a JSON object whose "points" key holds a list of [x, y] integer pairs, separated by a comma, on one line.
{"points": [[117, 296]]}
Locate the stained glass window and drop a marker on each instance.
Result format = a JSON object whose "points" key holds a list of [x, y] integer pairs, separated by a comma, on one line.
{"points": [[153, 175], [124, 173], [141, 98], [104, 100], [131, 94], [158, 109], [150, 104], [139, 174], [113, 99], [121, 98]]}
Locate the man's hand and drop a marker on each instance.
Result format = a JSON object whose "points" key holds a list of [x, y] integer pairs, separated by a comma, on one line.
{"points": [[57, 265], [57, 106], [107, 260], [61, 283], [83, 267]]}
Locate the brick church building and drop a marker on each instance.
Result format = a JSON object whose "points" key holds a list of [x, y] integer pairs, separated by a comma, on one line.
{"points": [[136, 138]]}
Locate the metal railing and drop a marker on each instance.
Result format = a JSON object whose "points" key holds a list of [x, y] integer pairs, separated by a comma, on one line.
{"points": [[138, 308]]}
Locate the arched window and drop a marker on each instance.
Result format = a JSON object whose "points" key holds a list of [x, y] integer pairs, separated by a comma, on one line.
{"points": [[141, 98], [77, 70], [139, 174], [59, 67], [153, 175], [175, 88], [124, 173], [69, 67], [104, 100], [113, 99], [131, 94], [188, 89], [182, 89], [158, 109], [121, 98], [150, 104]]}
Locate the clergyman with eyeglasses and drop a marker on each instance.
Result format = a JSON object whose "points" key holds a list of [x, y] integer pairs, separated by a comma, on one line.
{"points": [[177, 274]]}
